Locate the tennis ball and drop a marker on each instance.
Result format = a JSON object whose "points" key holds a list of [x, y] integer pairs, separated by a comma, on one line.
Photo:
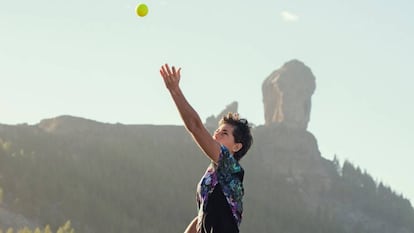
{"points": [[141, 10]]}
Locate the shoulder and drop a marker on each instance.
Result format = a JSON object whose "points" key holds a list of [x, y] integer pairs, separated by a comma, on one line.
{"points": [[227, 162]]}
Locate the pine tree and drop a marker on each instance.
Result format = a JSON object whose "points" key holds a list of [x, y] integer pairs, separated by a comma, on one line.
{"points": [[66, 228], [24, 230], [337, 164], [47, 229]]}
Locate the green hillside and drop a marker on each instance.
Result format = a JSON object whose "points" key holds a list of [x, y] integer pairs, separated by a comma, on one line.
{"points": [[142, 178]]}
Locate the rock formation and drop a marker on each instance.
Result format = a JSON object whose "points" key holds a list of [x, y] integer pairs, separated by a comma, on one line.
{"points": [[212, 121], [287, 95], [286, 147]]}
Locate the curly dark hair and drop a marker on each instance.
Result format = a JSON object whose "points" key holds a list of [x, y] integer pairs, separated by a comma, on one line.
{"points": [[241, 132]]}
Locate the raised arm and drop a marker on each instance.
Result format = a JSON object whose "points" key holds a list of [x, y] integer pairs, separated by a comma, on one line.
{"points": [[191, 119]]}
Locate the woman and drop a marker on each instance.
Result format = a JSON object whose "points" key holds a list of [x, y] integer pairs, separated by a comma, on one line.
{"points": [[220, 191]]}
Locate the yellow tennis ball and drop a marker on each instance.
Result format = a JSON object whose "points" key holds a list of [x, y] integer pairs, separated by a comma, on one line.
{"points": [[142, 10]]}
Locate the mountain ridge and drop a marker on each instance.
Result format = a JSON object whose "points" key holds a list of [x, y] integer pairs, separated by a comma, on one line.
{"points": [[120, 178], [285, 157]]}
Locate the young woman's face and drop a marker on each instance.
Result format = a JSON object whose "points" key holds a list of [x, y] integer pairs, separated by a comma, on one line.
{"points": [[224, 136]]}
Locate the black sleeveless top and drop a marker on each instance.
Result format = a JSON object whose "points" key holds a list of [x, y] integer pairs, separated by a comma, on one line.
{"points": [[219, 218]]}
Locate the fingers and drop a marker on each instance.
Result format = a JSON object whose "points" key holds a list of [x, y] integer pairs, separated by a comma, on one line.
{"points": [[168, 69], [171, 76], [165, 71]]}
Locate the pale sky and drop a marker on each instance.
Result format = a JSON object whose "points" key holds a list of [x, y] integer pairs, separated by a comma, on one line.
{"points": [[98, 60]]}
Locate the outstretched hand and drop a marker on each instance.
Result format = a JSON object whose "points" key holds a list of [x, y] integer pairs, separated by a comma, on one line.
{"points": [[191, 119], [171, 76]]}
